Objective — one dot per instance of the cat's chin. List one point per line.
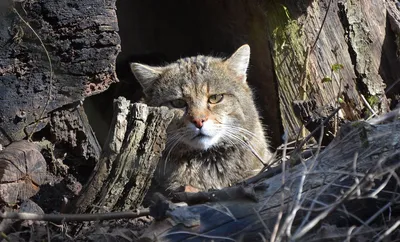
(202, 142)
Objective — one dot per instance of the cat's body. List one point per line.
(216, 130)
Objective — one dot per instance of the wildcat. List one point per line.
(216, 130)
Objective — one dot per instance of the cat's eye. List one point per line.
(216, 98)
(178, 103)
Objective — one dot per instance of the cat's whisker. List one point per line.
(246, 144)
(227, 138)
(241, 131)
(171, 141)
(237, 128)
(165, 161)
(236, 138)
(177, 138)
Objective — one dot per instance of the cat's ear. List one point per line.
(239, 61)
(145, 74)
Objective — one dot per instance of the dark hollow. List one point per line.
(157, 32)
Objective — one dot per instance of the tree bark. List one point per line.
(132, 151)
(335, 53)
(53, 53)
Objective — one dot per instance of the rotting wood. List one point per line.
(53, 53)
(312, 117)
(131, 154)
(70, 128)
(353, 176)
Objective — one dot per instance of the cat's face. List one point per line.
(209, 96)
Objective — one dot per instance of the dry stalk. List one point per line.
(201, 235)
(347, 195)
(286, 227)
(278, 221)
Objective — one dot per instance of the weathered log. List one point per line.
(132, 151)
(70, 128)
(53, 53)
(335, 53)
(347, 183)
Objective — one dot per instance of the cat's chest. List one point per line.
(210, 158)
(214, 169)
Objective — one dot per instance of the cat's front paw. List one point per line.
(189, 188)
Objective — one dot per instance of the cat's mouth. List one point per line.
(200, 136)
(202, 139)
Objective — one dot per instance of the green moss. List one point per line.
(373, 100)
(288, 54)
(288, 44)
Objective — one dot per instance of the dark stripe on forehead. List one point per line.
(194, 64)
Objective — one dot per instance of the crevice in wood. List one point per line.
(361, 86)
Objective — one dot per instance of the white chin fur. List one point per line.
(210, 136)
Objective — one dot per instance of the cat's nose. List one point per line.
(198, 122)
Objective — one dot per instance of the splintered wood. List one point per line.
(131, 153)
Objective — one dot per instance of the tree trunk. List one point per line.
(335, 53)
(132, 151)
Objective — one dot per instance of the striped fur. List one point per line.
(209, 145)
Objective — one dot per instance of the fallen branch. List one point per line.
(226, 194)
(75, 217)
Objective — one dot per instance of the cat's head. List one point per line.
(209, 94)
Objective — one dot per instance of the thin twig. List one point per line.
(308, 53)
(373, 217)
(385, 117)
(393, 85)
(322, 25)
(201, 235)
(389, 231)
(283, 165)
(287, 226)
(262, 221)
(75, 217)
(369, 107)
(51, 72)
(322, 215)
(344, 197)
(344, 211)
